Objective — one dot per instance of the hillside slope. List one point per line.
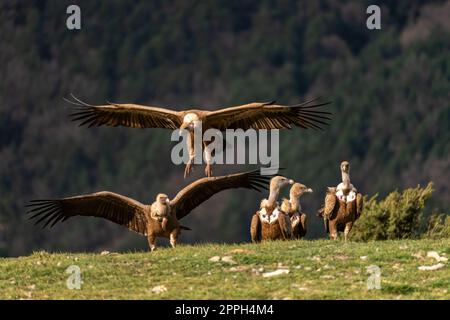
(317, 270)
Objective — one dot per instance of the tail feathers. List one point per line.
(185, 228)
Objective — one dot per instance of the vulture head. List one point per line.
(345, 166)
(276, 183)
(162, 198)
(190, 121)
(298, 189)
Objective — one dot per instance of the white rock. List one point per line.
(275, 273)
(432, 268)
(363, 257)
(214, 259)
(104, 253)
(435, 255)
(228, 259)
(159, 289)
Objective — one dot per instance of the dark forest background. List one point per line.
(390, 90)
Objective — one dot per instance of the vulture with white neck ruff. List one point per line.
(343, 205)
(159, 219)
(293, 208)
(270, 223)
(256, 115)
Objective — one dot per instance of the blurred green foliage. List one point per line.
(390, 90)
(400, 216)
(438, 226)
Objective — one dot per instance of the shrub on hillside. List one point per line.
(398, 216)
(438, 227)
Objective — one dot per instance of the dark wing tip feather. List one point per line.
(76, 101)
(308, 118)
(45, 212)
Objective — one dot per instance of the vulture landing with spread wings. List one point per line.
(257, 115)
(160, 219)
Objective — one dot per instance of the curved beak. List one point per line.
(291, 181)
(309, 190)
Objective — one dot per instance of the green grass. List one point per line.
(318, 270)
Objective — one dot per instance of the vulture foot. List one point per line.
(189, 168)
(208, 171)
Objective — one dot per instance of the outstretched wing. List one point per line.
(268, 115)
(108, 205)
(330, 202)
(128, 115)
(359, 204)
(203, 189)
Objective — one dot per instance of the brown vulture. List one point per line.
(256, 115)
(293, 208)
(270, 223)
(159, 219)
(343, 205)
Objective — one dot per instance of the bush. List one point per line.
(398, 216)
(438, 227)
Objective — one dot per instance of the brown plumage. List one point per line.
(270, 223)
(339, 214)
(257, 115)
(159, 219)
(293, 208)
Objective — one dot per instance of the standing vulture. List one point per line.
(270, 223)
(159, 219)
(293, 208)
(343, 205)
(256, 115)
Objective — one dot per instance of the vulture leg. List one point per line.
(348, 228)
(207, 152)
(188, 168)
(208, 170)
(332, 226)
(152, 242)
(191, 148)
(255, 229)
(173, 238)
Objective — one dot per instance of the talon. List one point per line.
(208, 171)
(188, 169)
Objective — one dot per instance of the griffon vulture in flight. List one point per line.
(159, 219)
(256, 115)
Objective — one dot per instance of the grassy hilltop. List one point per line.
(317, 270)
